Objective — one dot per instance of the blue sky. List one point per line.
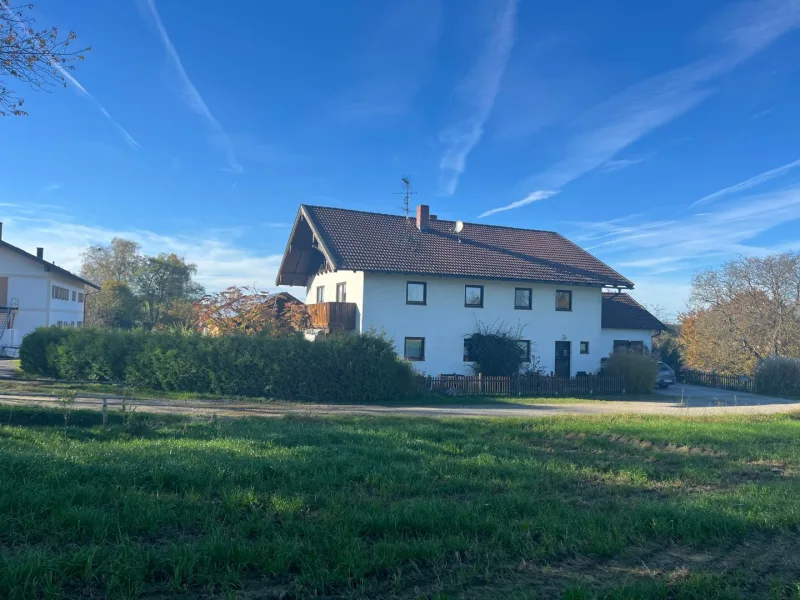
(663, 137)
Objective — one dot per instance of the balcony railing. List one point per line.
(333, 316)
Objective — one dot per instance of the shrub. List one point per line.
(639, 370)
(345, 368)
(36, 353)
(778, 376)
(495, 351)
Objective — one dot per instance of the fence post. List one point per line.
(480, 383)
(105, 412)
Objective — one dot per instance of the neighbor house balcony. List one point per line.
(333, 316)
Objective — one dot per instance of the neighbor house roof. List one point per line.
(48, 266)
(365, 241)
(620, 311)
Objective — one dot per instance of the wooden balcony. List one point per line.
(333, 316)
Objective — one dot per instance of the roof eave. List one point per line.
(302, 212)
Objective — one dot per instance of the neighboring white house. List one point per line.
(428, 287)
(35, 293)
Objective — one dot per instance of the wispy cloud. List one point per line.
(663, 246)
(477, 94)
(193, 97)
(623, 163)
(222, 259)
(529, 199)
(763, 113)
(747, 183)
(742, 31)
(51, 187)
(80, 89)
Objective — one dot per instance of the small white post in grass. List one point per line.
(105, 412)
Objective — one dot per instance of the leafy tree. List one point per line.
(119, 262)
(38, 58)
(744, 312)
(163, 280)
(113, 306)
(247, 311)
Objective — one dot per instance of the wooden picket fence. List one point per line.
(737, 383)
(527, 385)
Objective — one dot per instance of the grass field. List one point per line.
(618, 507)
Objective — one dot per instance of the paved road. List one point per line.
(671, 405)
(697, 396)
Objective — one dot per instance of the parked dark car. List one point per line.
(666, 376)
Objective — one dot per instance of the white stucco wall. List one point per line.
(31, 285)
(444, 321)
(608, 336)
(355, 289)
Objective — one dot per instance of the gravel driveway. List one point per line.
(694, 404)
(699, 396)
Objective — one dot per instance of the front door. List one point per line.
(563, 352)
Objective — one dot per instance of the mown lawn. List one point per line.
(611, 507)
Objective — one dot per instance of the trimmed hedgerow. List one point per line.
(639, 370)
(778, 376)
(345, 368)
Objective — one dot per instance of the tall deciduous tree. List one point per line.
(745, 311)
(162, 280)
(114, 305)
(37, 58)
(119, 262)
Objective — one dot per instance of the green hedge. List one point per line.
(779, 376)
(347, 368)
(640, 371)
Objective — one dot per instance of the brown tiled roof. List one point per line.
(365, 241)
(620, 311)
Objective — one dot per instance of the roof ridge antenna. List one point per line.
(406, 208)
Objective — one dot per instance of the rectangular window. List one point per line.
(473, 296)
(621, 345)
(584, 347)
(341, 292)
(469, 355)
(637, 347)
(74, 295)
(525, 348)
(320, 294)
(522, 298)
(414, 348)
(81, 297)
(416, 292)
(564, 300)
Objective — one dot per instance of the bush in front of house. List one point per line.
(495, 351)
(778, 376)
(346, 368)
(37, 353)
(639, 371)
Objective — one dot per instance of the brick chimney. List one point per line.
(423, 215)
(40, 253)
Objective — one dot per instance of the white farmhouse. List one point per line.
(35, 293)
(427, 287)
